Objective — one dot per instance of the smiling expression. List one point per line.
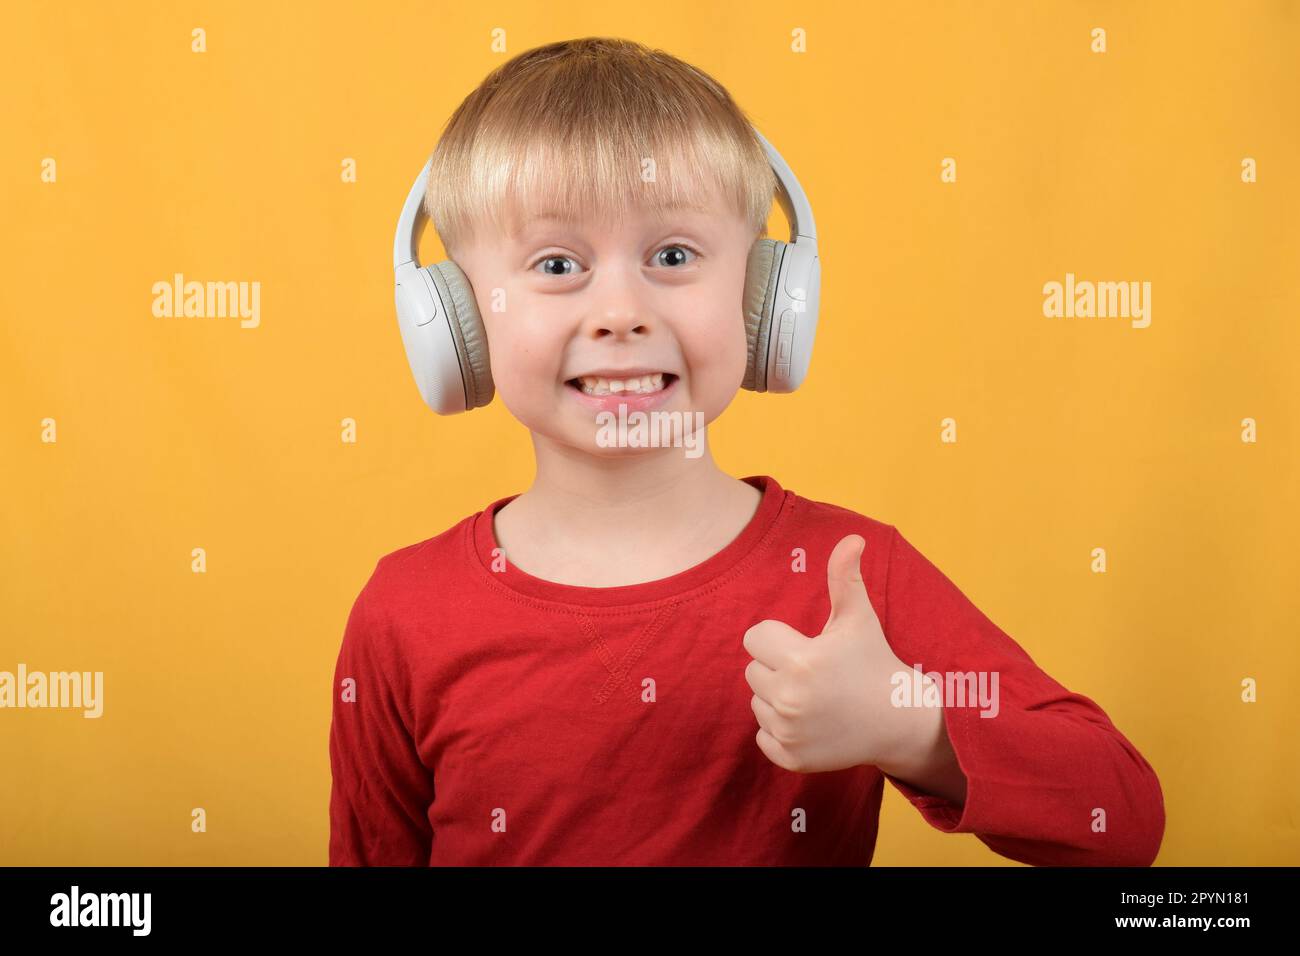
(643, 295)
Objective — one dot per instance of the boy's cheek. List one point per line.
(722, 356)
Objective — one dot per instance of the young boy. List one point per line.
(638, 660)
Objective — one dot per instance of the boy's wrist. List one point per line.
(925, 758)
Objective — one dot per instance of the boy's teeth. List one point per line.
(594, 385)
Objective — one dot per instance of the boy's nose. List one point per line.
(620, 323)
(618, 307)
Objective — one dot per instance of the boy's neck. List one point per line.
(602, 522)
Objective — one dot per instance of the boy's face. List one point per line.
(562, 299)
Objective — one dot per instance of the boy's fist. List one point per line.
(823, 702)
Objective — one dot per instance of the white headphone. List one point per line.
(447, 346)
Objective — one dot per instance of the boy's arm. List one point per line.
(380, 791)
(1050, 781)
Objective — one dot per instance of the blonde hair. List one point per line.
(565, 129)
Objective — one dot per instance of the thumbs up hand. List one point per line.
(823, 702)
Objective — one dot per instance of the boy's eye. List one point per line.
(679, 254)
(554, 265)
(672, 256)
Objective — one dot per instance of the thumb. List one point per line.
(849, 600)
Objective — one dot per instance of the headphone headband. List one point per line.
(790, 196)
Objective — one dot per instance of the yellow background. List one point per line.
(1072, 433)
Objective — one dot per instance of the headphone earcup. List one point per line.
(467, 330)
(761, 272)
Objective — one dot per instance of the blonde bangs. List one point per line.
(593, 128)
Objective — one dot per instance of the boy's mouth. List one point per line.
(601, 386)
(636, 393)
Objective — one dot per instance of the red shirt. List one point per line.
(499, 718)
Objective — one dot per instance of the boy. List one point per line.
(637, 661)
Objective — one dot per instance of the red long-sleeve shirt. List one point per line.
(497, 718)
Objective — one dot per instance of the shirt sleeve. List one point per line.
(1050, 780)
(380, 791)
